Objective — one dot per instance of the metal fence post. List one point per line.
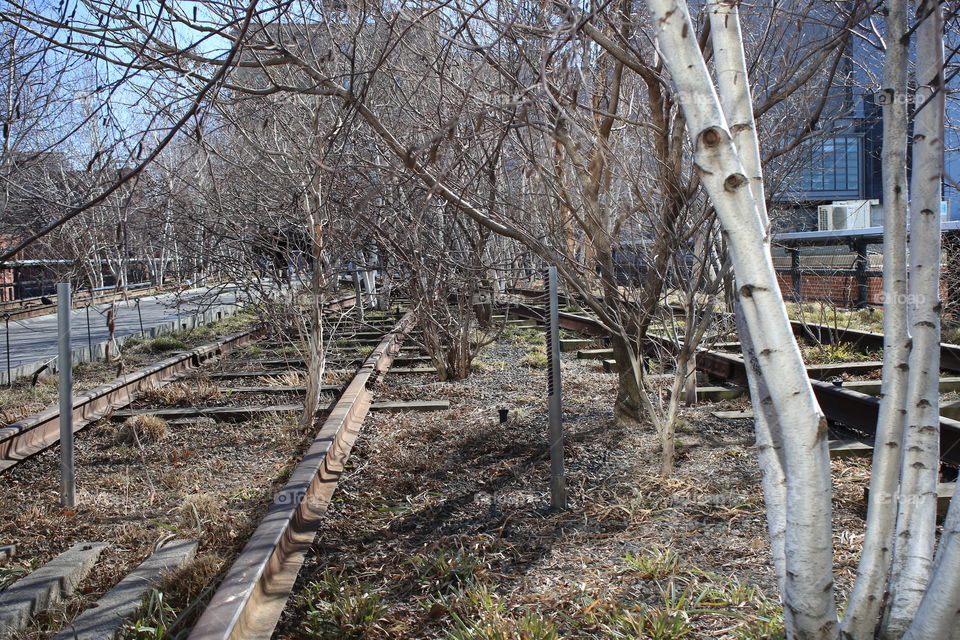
(558, 480)
(9, 370)
(68, 488)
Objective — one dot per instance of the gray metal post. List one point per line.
(558, 480)
(140, 317)
(89, 336)
(9, 370)
(68, 488)
(9, 374)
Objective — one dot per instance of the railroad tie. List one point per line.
(243, 412)
(103, 621)
(46, 586)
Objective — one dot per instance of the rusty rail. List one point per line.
(30, 436)
(249, 601)
(845, 406)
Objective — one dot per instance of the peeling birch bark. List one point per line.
(808, 589)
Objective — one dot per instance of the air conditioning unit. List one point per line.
(848, 214)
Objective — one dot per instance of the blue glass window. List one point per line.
(831, 165)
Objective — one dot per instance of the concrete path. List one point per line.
(34, 341)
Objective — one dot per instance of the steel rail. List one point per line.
(851, 408)
(249, 601)
(31, 435)
(825, 334)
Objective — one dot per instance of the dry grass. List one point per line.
(184, 394)
(183, 586)
(141, 430)
(201, 511)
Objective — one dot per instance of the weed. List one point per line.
(163, 344)
(141, 429)
(200, 509)
(535, 359)
(9, 575)
(619, 621)
(445, 571)
(189, 581)
(836, 352)
(655, 564)
(337, 607)
(154, 621)
(480, 615)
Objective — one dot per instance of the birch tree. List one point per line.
(790, 424)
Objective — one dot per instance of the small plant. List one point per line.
(154, 621)
(655, 564)
(446, 571)
(163, 344)
(535, 359)
(188, 583)
(200, 509)
(480, 615)
(627, 622)
(835, 353)
(766, 624)
(337, 607)
(141, 429)
(9, 575)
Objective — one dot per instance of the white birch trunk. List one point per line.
(864, 605)
(770, 455)
(734, 87)
(916, 518)
(808, 590)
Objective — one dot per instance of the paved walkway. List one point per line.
(35, 340)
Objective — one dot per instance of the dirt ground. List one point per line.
(442, 528)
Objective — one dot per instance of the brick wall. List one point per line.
(838, 288)
(6, 285)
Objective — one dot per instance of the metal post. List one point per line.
(860, 267)
(558, 480)
(9, 369)
(356, 288)
(140, 316)
(795, 272)
(68, 488)
(89, 336)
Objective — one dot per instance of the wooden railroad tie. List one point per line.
(241, 412)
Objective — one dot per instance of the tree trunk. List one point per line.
(628, 409)
(809, 605)
(866, 600)
(917, 509)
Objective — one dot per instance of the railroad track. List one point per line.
(251, 597)
(29, 436)
(845, 406)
